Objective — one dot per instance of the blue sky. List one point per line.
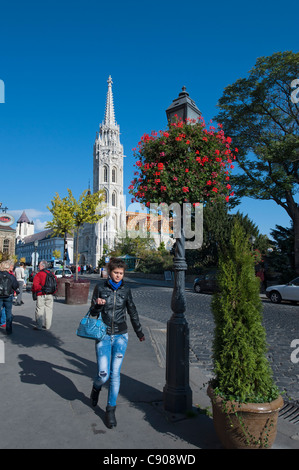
(56, 57)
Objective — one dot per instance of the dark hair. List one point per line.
(116, 263)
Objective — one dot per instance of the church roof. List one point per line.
(23, 218)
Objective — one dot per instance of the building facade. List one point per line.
(7, 241)
(41, 244)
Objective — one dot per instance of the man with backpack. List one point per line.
(43, 288)
(8, 284)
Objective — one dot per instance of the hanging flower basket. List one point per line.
(186, 163)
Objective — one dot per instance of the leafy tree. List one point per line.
(258, 113)
(56, 254)
(62, 222)
(281, 259)
(217, 226)
(69, 215)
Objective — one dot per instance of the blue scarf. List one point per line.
(115, 285)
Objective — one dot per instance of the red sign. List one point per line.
(6, 219)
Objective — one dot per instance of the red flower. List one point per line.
(185, 189)
(161, 165)
(186, 170)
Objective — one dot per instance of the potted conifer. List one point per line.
(244, 398)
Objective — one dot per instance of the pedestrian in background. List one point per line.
(20, 277)
(44, 302)
(112, 299)
(8, 284)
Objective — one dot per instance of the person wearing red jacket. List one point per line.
(44, 302)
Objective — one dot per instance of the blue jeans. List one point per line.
(2, 316)
(6, 302)
(110, 353)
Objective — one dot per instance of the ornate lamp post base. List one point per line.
(177, 394)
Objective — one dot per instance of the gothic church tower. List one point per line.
(108, 175)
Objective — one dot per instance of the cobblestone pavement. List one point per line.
(281, 324)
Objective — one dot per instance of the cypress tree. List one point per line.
(242, 370)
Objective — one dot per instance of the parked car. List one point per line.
(58, 272)
(289, 291)
(206, 282)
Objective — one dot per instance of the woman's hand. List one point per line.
(100, 301)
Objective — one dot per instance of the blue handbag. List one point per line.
(92, 327)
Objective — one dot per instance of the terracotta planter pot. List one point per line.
(61, 285)
(245, 425)
(76, 292)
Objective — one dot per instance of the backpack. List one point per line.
(50, 285)
(5, 284)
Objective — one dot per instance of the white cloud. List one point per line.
(39, 226)
(31, 213)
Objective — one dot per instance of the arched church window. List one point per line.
(113, 175)
(105, 195)
(105, 174)
(114, 199)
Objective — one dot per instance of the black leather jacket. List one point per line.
(114, 311)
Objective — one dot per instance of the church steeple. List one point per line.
(109, 129)
(108, 156)
(109, 113)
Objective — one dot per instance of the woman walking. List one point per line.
(113, 299)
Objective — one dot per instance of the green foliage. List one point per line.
(56, 254)
(69, 215)
(263, 122)
(281, 259)
(242, 371)
(217, 226)
(149, 259)
(155, 261)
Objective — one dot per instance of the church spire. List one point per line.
(109, 113)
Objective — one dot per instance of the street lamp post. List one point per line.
(177, 394)
(35, 255)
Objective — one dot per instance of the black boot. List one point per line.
(94, 396)
(110, 419)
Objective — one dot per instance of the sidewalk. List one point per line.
(46, 381)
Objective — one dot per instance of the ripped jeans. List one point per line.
(110, 353)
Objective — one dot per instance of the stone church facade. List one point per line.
(107, 176)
